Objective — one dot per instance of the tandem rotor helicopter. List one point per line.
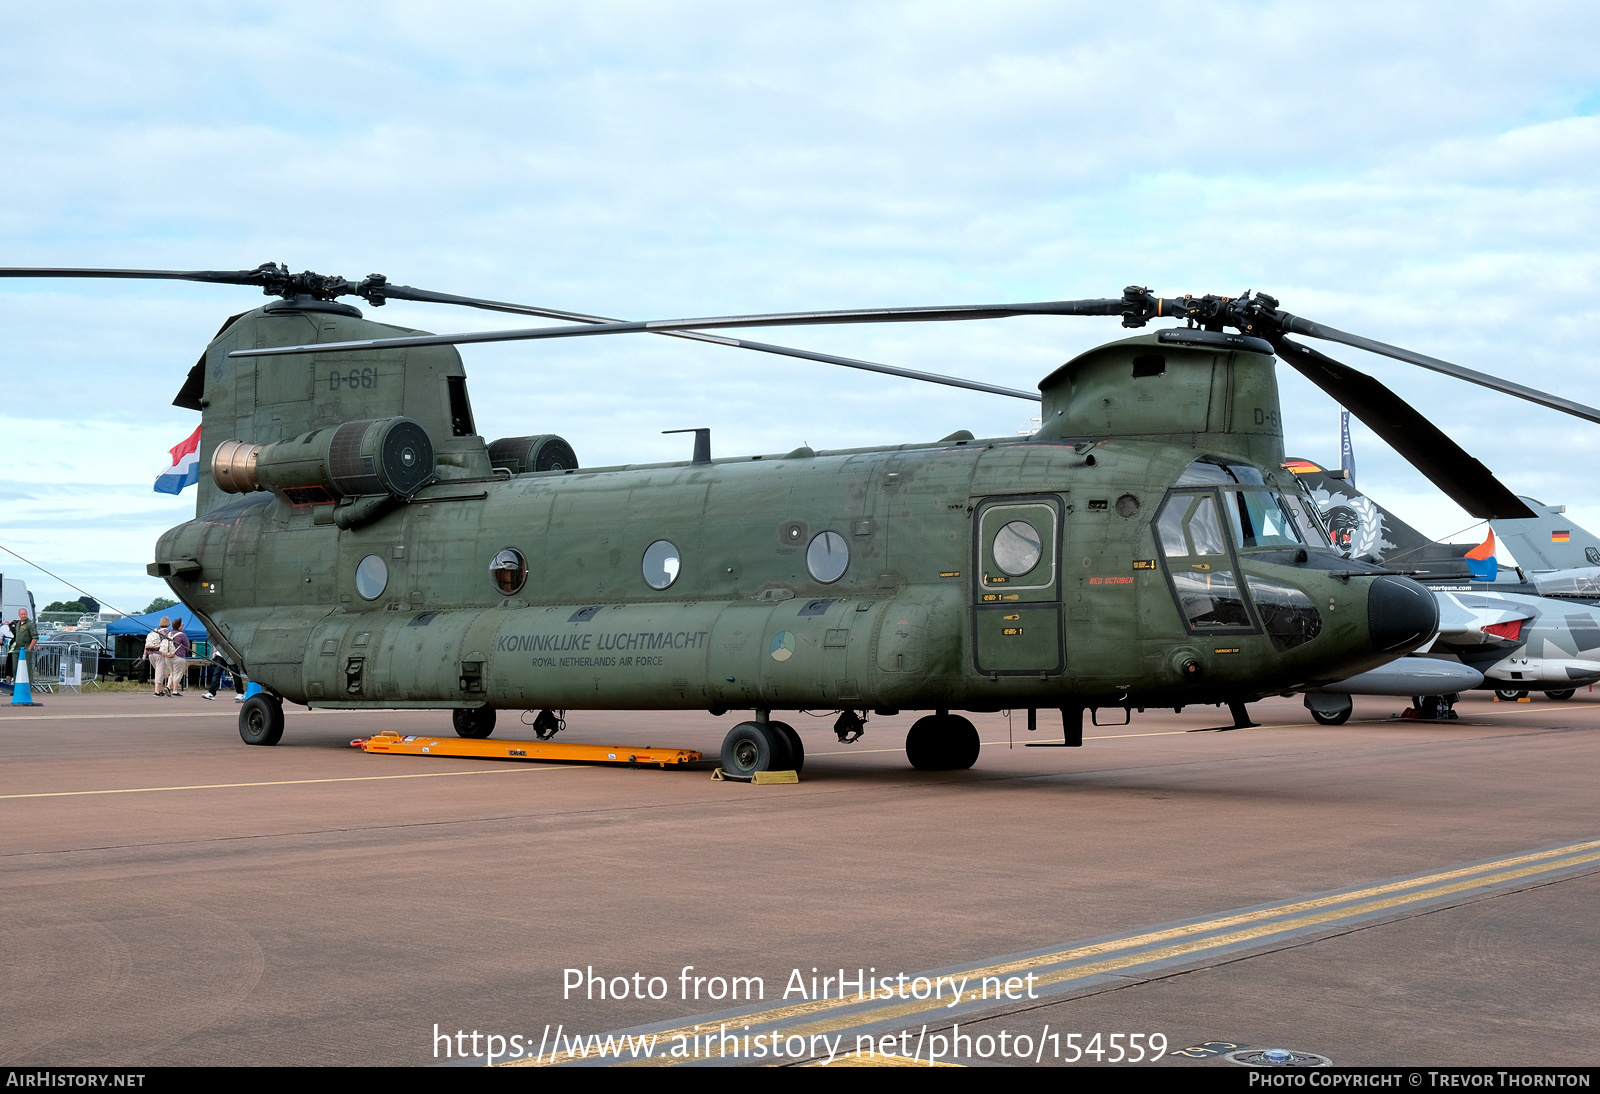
(357, 544)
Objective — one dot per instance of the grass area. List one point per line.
(123, 685)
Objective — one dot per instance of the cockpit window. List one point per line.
(1304, 510)
(1211, 601)
(1204, 531)
(1199, 564)
(1169, 526)
(1188, 525)
(1201, 473)
(1259, 519)
(1287, 613)
(1209, 470)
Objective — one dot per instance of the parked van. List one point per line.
(14, 596)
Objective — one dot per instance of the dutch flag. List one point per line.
(185, 469)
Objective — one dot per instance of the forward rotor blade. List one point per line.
(1296, 325)
(720, 322)
(1446, 464)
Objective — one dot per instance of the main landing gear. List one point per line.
(261, 719)
(475, 724)
(761, 745)
(939, 742)
(942, 742)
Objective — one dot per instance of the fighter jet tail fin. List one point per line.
(1549, 541)
(1481, 561)
(1362, 528)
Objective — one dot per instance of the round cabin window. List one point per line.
(372, 577)
(661, 564)
(1017, 548)
(827, 557)
(509, 571)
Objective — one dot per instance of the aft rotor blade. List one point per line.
(1446, 464)
(717, 322)
(377, 290)
(406, 292)
(217, 277)
(272, 278)
(1296, 325)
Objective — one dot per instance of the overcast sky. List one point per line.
(1425, 175)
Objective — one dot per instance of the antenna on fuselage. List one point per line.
(702, 443)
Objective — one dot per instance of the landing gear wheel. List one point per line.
(1509, 695)
(475, 724)
(1561, 696)
(261, 720)
(797, 748)
(750, 747)
(1329, 710)
(942, 742)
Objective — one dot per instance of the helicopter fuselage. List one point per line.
(965, 574)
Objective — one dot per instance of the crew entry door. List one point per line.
(1016, 579)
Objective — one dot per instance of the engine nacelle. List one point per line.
(545, 452)
(383, 456)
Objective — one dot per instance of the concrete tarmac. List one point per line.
(173, 896)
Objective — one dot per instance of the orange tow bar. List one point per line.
(412, 745)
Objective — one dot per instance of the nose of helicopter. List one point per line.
(1401, 614)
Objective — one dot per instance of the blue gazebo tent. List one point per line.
(144, 624)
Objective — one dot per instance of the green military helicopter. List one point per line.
(357, 544)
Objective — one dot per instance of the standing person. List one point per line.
(153, 643)
(178, 666)
(214, 673)
(5, 647)
(24, 636)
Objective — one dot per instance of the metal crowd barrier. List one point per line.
(51, 667)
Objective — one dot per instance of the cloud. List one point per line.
(1429, 182)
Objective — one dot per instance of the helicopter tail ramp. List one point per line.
(412, 745)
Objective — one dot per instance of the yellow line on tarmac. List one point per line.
(1513, 708)
(1081, 972)
(1326, 909)
(1198, 946)
(856, 1059)
(284, 782)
